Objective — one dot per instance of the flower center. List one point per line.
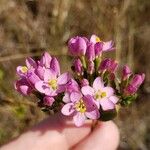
(53, 83)
(100, 95)
(98, 39)
(24, 69)
(80, 106)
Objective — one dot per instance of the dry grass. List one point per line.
(28, 27)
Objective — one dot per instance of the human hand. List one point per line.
(59, 133)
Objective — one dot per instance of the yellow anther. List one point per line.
(24, 69)
(99, 95)
(80, 106)
(53, 84)
(97, 39)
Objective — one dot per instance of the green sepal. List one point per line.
(126, 101)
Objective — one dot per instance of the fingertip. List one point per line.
(105, 136)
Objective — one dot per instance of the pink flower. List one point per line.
(104, 46)
(52, 84)
(104, 96)
(23, 70)
(80, 107)
(77, 46)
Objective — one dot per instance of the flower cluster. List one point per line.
(93, 91)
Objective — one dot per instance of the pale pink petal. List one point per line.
(109, 91)
(31, 63)
(55, 66)
(67, 109)
(98, 84)
(93, 114)
(79, 119)
(87, 90)
(63, 78)
(40, 86)
(107, 104)
(94, 39)
(75, 96)
(66, 98)
(50, 92)
(108, 46)
(114, 99)
(49, 75)
(19, 71)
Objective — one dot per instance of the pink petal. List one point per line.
(79, 119)
(93, 39)
(87, 90)
(40, 71)
(49, 75)
(114, 99)
(109, 91)
(50, 92)
(46, 60)
(108, 46)
(67, 109)
(55, 66)
(63, 78)
(40, 86)
(107, 104)
(19, 71)
(75, 96)
(66, 98)
(93, 114)
(98, 84)
(31, 63)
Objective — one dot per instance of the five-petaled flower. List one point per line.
(80, 107)
(104, 96)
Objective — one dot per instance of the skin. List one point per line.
(58, 132)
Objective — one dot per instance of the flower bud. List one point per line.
(78, 66)
(90, 52)
(137, 80)
(104, 64)
(84, 82)
(98, 48)
(77, 46)
(126, 72)
(113, 66)
(48, 101)
(90, 67)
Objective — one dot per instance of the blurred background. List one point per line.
(29, 27)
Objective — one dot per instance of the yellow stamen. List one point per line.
(98, 39)
(53, 84)
(100, 95)
(24, 69)
(80, 106)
